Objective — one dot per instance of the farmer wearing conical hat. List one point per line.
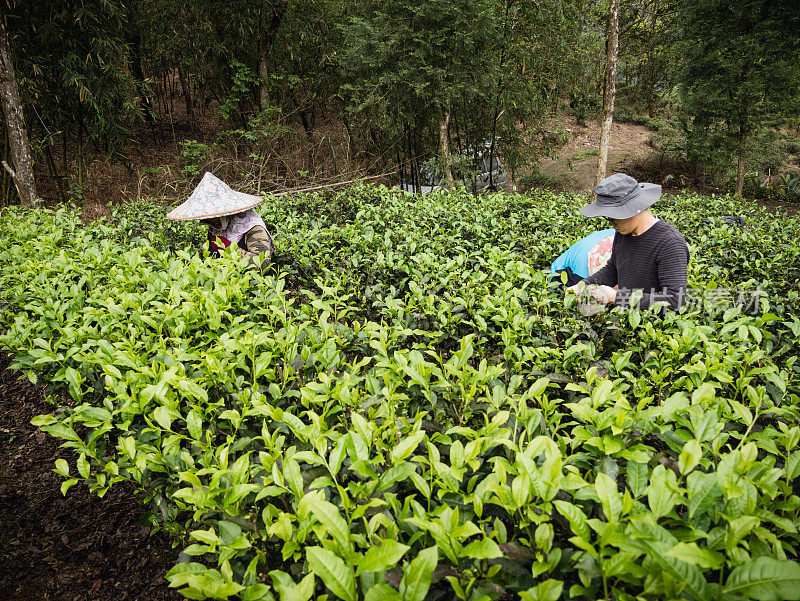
(648, 254)
(230, 218)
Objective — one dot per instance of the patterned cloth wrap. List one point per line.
(600, 254)
(587, 255)
(234, 227)
(235, 230)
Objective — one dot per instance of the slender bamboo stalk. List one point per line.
(171, 121)
(171, 92)
(80, 149)
(64, 149)
(58, 179)
(187, 96)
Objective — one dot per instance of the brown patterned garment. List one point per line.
(253, 244)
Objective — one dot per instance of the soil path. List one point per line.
(76, 547)
(576, 164)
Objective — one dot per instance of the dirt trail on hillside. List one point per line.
(574, 167)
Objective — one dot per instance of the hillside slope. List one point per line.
(575, 163)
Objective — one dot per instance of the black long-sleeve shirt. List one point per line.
(654, 262)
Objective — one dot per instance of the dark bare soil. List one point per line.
(76, 547)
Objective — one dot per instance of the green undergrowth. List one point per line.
(405, 408)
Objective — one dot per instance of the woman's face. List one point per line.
(214, 222)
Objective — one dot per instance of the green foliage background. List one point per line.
(366, 85)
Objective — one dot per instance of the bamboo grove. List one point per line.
(392, 75)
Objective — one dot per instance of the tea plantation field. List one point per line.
(406, 409)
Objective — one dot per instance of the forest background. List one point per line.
(131, 99)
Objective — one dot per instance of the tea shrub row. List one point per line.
(407, 409)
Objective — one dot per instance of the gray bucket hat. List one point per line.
(619, 196)
(213, 198)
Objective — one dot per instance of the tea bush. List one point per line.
(405, 407)
(142, 222)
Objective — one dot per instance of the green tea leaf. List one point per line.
(703, 492)
(742, 412)
(380, 558)
(67, 484)
(328, 515)
(706, 428)
(206, 536)
(484, 548)
(289, 591)
(690, 456)
(43, 420)
(738, 529)
(382, 592)
(575, 516)
(331, 569)
(549, 590)
(417, 575)
(258, 591)
(294, 479)
(636, 477)
(229, 532)
(622, 563)
(60, 430)
(765, 579)
(163, 417)
(659, 541)
(239, 470)
(704, 392)
(609, 496)
(62, 467)
(194, 424)
(397, 473)
(193, 390)
(660, 493)
(405, 447)
(100, 414)
(188, 567)
(83, 466)
(698, 556)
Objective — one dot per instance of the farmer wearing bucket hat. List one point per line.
(647, 254)
(230, 218)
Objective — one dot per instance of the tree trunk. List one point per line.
(412, 165)
(740, 164)
(417, 167)
(609, 91)
(444, 148)
(5, 177)
(15, 122)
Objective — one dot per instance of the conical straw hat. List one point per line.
(213, 198)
